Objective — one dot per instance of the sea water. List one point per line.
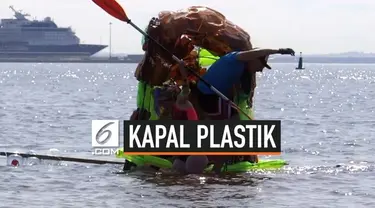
(327, 121)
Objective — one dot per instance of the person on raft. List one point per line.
(184, 110)
(228, 71)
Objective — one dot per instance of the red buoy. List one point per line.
(15, 162)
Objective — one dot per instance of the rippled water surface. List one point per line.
(328, 127)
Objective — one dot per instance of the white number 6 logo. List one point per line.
(102, 131)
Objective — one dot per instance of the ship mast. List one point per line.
(18, 14)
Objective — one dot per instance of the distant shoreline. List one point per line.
(325, 59)
(70, 61)
(134, 59)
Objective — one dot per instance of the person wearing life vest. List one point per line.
(227, 71)
(230, 70)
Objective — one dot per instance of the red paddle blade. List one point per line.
(113, 8)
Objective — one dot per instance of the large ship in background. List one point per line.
(21, 38)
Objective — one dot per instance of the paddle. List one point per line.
(58, 158)
(114, 9)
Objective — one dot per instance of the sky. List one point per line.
(312, 27)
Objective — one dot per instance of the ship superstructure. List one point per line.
(24, 38)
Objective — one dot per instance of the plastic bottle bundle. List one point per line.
(32, 160)
(15, 160)
(53, 152)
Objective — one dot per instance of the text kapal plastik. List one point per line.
(237, 137)
(190, 136)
